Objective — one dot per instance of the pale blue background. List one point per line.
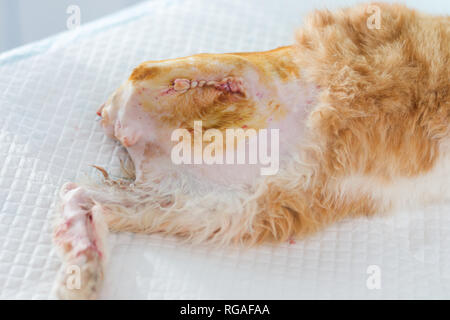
(24, 21)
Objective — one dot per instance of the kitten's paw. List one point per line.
(80, 235)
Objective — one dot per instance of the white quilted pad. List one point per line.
(49, 92)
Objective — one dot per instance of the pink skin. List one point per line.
(77, 229)
(99, 111)
(168, 91)
(137, 131)
(80, 235)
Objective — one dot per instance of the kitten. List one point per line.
(363, 121)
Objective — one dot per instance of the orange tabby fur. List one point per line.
(384, 112)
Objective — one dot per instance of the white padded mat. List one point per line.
(49, 92)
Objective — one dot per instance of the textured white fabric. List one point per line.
(49, 92)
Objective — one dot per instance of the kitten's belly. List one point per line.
(298, 100)
(150, 146)
(290, 131)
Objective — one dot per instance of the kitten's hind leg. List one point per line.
(218, 217)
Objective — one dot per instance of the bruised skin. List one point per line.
(80, 236)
